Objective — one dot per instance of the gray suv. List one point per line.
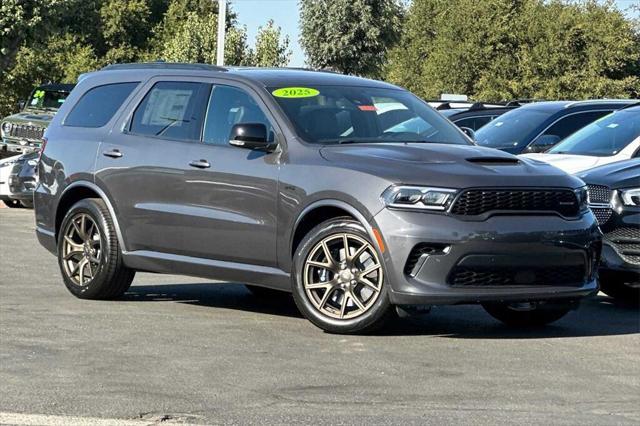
(352, 194)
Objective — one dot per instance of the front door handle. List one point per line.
(114, 153)
(200, 164)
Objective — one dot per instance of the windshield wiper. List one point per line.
(172, 121)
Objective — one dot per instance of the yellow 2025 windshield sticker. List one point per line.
(295, 92)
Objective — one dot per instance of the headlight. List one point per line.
(630, 197)
(418, 197)
(582, 194)
(6, 128)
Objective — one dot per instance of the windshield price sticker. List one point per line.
(295, 92)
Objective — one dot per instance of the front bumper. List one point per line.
(514, 258)
(22, 147)
(621, 242)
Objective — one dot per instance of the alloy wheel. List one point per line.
(343, 276)
(82, 249)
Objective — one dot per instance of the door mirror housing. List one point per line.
(250, 136)
(21, 105)
(543, 143)
(469, 132)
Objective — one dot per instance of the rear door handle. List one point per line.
(200, 164)
(114, 153)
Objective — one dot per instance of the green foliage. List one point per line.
(270, 51)
(505, 49)
(351, 36)
(58, 59)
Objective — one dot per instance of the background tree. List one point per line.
(504, 49)
(271, 49)
(351, 36)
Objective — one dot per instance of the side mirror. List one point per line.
(469, 132)
(543, 143)
(250, 136)
(21, 105)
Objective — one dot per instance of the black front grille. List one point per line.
(475, 202)
(599, 194)
(626, 241)
(602, 214)
(498, 276)
(25, 131)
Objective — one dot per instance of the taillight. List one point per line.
(44, 145)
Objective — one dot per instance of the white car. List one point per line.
(613, 138)
(6, 165)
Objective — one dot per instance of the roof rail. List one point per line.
(598, 101)
(520, 102)
(636, 103)
(163, 65)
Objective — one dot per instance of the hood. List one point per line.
(449, 166)
(31, 117)
(621, 174)
(571, 163)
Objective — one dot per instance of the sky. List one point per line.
(254, 13)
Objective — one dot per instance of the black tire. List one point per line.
(266, 293)
(378, 311)
(112, 278)
(27, 204)
(623, 287)
(540, 314)
(13, 204)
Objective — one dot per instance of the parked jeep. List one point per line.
(22, 132)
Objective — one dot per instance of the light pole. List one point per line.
(222, 18)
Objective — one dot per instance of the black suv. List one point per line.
(477, 115)
(353, 194)
(614, 197)
(538, 126)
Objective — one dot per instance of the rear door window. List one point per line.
(98, 105)
(172, 110)
(572, 123)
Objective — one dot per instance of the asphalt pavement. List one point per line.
(180, 349)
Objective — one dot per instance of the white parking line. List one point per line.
(46, 420)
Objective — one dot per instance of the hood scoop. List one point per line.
(494, 161)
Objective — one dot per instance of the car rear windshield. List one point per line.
(603, 138)
(512, 129)
(354, 114)
(47, 99)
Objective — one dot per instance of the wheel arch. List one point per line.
(320, 211)
(81, 190)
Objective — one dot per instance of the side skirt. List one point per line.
(219, 270)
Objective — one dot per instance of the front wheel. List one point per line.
(622, 286)
(89, 254)
(339, 281)
(529, 314)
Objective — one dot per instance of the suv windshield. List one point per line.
(47, 99)
(603, 138)
(511, 129)
(344, 114)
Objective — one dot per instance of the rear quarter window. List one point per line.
(98, 105)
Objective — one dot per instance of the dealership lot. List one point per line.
(189, 350)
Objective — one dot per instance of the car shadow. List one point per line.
(597, 316)
(227, 296)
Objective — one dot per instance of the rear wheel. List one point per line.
(89, 255)
(339, 283)
(530, 314)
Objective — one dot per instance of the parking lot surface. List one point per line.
(180, 349)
